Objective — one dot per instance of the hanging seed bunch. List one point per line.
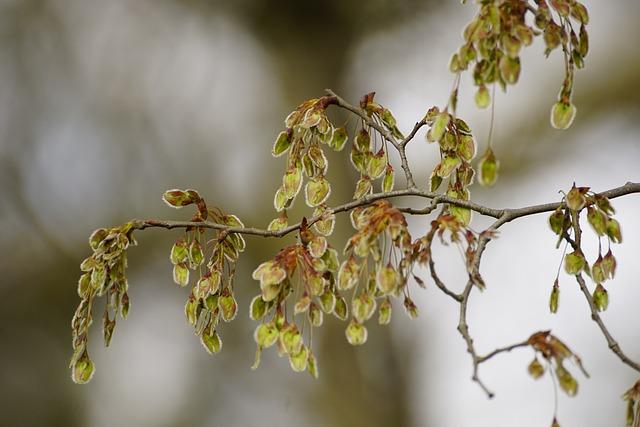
(457, 149)
(296, 288)
(369, 155)
(377, 264)
(212, 256)
(632, 397)
(308, 130)
(103, 275)
(554, 353)
(495, 37)
(308, 275)
(565, 222)
(371, 164)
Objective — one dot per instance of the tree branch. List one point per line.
(503, 216)
(439, 283)
(435, 197)
(506, 215)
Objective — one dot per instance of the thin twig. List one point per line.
(386, 134)
(340, 102)
(474, 275)
(439, 283)
(613, 344)
(463, 328)
(508, 348)
(413, 132)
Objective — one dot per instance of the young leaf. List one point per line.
(315, 315)
(390, 123)
(363, 307)
(317, 157)
(195, 254)
(377, 164)
(575, 198)
(181, 274)
(97, 237)
(597, 271)
(340, 308)
(278, 223)
(598, 220)
(291, 182)
(348, 274)
(302, 305)
(191, 310)
(291, 339)
(266, 335)
(312, 365)
(387, 279)
(536, 370)
(179, 252)
(180, 198)
(339, 139)
(447, 166)
(562, 115)
(510, 69)
(211, 340)
(83, 369)
(280, 200)
(489, 167)
(258, 308)
(356, 333)
(387, 180)
(298, 361)
(434, 181)
(410, 307)
(363, 141)
(574, 262)
(439, 126)
(282, 144)
(317, 191)
(467, 147)
(482, 98)
(327, 301)
(384, 311)
(554, 298)
(363, 187)
(325, 225)
(601, 298)
(613, 230)
(609, 265)
(228, 306)
(557, 221)
(311, 118)
(567, 383)
(317, 246)
(108, 326)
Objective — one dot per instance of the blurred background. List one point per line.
(106, 104)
